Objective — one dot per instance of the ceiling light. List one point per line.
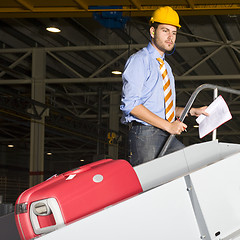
(10, 145)
(82, 160)
(49, 153)
(53, 29)
(116, 72)
(196, 126)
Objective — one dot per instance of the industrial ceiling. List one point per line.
(80, 90)
(84, 8)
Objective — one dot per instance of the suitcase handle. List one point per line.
(43, 208)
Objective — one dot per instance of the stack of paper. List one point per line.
(218, 114)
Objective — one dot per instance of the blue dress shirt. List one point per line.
(143, 84)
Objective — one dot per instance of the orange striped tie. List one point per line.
(169, 109)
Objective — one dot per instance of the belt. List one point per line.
(135, 123)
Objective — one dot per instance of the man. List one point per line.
(148, 95)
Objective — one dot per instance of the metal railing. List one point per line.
(189, 105)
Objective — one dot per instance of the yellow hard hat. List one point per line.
(165, 15)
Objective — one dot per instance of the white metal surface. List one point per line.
(217, 189)
(183, 162)
(162, 213)
(164, 210)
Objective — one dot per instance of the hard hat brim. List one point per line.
(168, 23)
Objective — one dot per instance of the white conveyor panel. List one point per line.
(180, 163)
(164, 212)
(217, 189)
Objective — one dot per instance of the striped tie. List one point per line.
(169, 109)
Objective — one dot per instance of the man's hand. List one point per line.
(198, 111)
(177, 127)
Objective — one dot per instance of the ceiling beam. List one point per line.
(203, 60)
(135, 8)
(225, 40)
(233, 77)
(109, 64)
(26, 4)
(119, 47)
(137, 4)
(82, 4)
(15, 63)
(64, 64)
(191, 4)
(94, 93)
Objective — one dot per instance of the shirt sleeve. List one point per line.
(134, 76)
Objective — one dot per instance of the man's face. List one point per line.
(164, 37)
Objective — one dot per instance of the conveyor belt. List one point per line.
(195, 195)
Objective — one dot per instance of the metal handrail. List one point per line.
(189, 104)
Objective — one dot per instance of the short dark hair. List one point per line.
(155, 25)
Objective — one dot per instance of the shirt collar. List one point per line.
(154, 53)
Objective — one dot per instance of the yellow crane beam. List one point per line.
(83, 8)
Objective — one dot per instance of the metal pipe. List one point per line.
(215, 95)
(189, 104)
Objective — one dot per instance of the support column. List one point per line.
(114, 124)
(214, 133)
(99, 120)
(36, 168)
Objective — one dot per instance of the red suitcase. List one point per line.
(73, 195)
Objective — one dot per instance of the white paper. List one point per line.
(218, 114)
